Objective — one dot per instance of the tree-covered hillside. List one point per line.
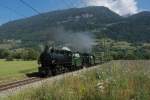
(76, 19)
(99, 20)
(135, 28)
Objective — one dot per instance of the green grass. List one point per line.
(117, 80)
(13, 70)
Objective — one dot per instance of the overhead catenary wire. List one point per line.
(35, 10)
(29, 6)
(12, 10)
(72, 3)
(68, 6)
(83, 2)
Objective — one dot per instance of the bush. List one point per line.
(9, 58)
(24, 54)
(17, 55)
(29, 54)
(4, 53)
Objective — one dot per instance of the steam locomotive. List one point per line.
(56, 61)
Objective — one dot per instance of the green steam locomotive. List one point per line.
(56, 61)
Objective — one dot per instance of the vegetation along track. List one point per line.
(15, 84)
(18, 83)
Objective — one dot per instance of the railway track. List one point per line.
(16, 84)
(19, 83)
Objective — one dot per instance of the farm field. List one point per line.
(116, 80)
(14, 70)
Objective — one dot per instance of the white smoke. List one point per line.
(122, 7)
(66, 48)
(76, 41)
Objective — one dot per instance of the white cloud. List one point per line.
(122, 7)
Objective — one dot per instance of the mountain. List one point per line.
(135, 28)
(76, 19)
(96, 19)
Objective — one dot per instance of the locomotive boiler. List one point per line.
(55, 61)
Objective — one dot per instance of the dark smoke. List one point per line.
(77, 41)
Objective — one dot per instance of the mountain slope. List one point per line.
(101, 20)
(76, 19)
(134, 28)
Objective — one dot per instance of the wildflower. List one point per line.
(100, 83)
(100, 86)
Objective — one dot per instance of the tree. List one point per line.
(4, 53)
(29, 54)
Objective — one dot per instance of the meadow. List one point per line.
(116, 80)
(15, 70)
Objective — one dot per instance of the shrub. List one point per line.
(9, 58)
(4, 53)
(29, 54)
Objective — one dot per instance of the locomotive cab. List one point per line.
(54, 61)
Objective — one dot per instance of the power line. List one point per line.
(28, 5)
(72, 3)
(66, 4)
(83, 2)
(12, 10)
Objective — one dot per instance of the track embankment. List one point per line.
(18, 86)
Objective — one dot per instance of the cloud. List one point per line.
(122, 7)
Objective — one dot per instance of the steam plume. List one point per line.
(80, 41)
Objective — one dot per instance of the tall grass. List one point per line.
(117, 80)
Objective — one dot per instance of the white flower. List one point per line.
(101, 87)
(100, 84)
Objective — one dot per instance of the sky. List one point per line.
(14, 9)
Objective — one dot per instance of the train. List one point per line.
(56, 61)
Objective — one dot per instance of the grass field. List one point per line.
(13, 70)
(117, 80)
